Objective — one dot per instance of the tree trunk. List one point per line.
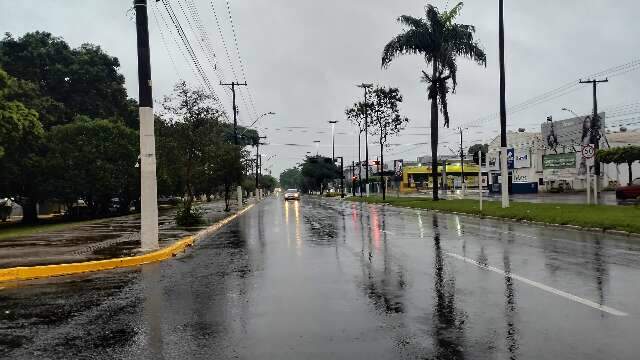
(189, 202)
(29, 211)
(630, 174)
(226, 197)
(434, 134)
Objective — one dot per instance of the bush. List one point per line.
(188, 217)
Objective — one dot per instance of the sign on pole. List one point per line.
(588, 151)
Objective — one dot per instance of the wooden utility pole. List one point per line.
(233, 85)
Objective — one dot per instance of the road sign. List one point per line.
(588, 151)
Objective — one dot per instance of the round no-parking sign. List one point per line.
(588, 151)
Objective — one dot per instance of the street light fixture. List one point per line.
(256, 120)
(317, 142)
(571, 111)
(333, 138)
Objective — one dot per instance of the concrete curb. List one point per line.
(36, 272)
(563, 226)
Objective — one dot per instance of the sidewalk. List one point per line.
(111, 238)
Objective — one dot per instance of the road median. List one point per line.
(618, 219)
(164, 253)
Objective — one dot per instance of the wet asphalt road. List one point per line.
(323, 279)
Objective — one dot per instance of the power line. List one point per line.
(242, 68)
(190, 51)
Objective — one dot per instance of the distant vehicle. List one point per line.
(629, 192)
(277, 190)
(291, 194)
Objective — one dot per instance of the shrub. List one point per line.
(188, 216)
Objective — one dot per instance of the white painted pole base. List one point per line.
(239, 189)
(588, 185)
(595, 189)
(148, 182)
(480, 178)
(505, 177)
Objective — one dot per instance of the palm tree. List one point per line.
(441, 42)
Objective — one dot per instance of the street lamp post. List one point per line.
(341, 175)
(503, 111)
(366, 87)
(333, 138)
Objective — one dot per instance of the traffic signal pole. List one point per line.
(148, 181)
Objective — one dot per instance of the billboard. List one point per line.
(397, 168)
(522, 159)
(510, 158)
(571, 133)
(559, 161)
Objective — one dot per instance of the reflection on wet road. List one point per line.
(336, 280)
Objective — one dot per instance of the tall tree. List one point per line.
(194, 126)
(93, 160)
(386, 121)
(440, 41)
(85, 80)
(291, 178)
(356, 115)
(317, 171)
(475, 148)
(21, 147)
(620, 155)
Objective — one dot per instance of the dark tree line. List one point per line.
(68, 131)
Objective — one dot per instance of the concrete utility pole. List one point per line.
(596, 126)
(333, 138)
(257, 155)
(233, 85)
(341, 175)
(503, 112)
(148, 181)
(366, 87)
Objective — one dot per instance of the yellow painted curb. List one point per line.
(35, 272)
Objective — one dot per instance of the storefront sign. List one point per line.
(510, 158)
(522, 159)
(559, 161)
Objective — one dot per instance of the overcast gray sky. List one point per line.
(303, 58)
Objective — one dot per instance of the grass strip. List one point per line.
(606, 217)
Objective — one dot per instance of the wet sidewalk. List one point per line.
(104, 239)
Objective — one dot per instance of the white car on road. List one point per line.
(291, 194)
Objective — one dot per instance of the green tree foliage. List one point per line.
(18, 123)
(21, 145)
(268, 182)
(93, 160)
(440, 41)
(483, 148)
(386, 119)
(292, 178)
(317, 171)
(193, 128)
(81, 81)
(620, 155)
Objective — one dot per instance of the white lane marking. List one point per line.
(544, 287)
